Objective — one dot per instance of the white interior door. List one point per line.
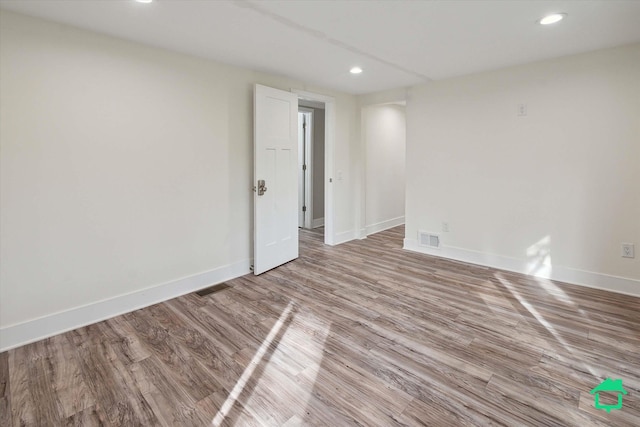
(275, 177)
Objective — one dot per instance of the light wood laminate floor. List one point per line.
(364, 333)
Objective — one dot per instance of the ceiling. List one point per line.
(397, 43)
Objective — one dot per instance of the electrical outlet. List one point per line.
(445, 227)
(628, 251)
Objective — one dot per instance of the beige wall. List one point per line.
(384, 134)
(124, 166)
(557, 189)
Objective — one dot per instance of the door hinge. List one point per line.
(304, 209)
(304, 167)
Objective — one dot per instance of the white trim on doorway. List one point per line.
(329, 144)
(307, 175)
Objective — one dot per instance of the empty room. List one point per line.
(319, 213)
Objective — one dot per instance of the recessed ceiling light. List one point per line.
(552, 19)
(355, 70)
(144, 1)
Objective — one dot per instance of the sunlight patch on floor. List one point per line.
(490, 301)
(299, 350)
(246, 375)
(553, 289)
(531, 309)
(540, 318)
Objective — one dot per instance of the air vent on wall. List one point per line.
(429, 240)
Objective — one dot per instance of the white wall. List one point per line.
(563, 181)
(384, 134)
(125, 167)
(398, 95)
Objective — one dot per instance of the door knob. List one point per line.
(261, 187)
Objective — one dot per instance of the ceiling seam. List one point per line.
(246, 4)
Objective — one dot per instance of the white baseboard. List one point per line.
(318, 222)
(384, 225)
(344, 237)
(362, 234)
(34, 330)
(621, 285)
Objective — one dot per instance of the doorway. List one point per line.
(316, 181)
(305, 167)
(310, 165)
(276, 232)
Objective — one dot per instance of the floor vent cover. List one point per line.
(429, 240)
(211, 289)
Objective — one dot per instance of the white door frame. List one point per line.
(329, 144)
(308, 174)
(300, 171)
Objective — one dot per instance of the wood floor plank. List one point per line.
(92, 416)
(619, 418)
(236, 415)
(31, 384)
(549, 411)
(124, 340)
(66, 376)
(5, 390)
(420, 414)
(443, 390)
(114, 384)
(363, 333)
(345, 398)
(23, 412)
(171, 402)
(160, 327)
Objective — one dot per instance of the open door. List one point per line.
(275, 216)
